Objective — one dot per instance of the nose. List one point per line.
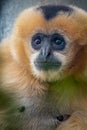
(46, 52)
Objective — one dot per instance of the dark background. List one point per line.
(9, 9)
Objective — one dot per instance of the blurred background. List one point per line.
(9, 9)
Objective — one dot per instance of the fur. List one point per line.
(35, 98)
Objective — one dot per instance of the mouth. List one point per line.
(47, 65)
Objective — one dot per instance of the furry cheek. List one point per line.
(61, 58)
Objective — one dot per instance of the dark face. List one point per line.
(47, 45)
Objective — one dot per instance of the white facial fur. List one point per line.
(50, 75)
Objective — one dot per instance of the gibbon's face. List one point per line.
(54, 39)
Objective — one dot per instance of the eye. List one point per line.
(58, 42)
(36, 41)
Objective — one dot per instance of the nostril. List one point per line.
(48, 54)
(48, 51)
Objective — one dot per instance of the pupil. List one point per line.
(58, 41)
(38, 41)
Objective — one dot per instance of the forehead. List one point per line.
(47, 19)
(50, 11)
(40, 17)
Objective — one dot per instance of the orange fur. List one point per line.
(16, 75)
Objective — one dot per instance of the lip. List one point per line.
(47, 65)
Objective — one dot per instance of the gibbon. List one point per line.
(43, 70)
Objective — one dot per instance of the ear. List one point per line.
(80, 18)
